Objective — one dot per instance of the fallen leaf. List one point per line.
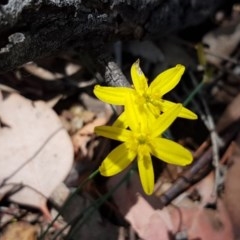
(187, 218)
(72, 68)
(230, 115)
(83, 136)
(36, 153)
(138, 210)
(202, 223)
(51, 103)
(126, 194)
(102, 111)
(7, 89)
(42, 73)
(232, 190)
(205, 189)
(216, 40)
(146, 221)
(20, 231)
(196, 220)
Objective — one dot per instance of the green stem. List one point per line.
(90, 177)
(85, 214)
(193, 93)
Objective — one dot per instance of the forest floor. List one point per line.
(49, 153)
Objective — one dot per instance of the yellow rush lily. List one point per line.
(148, 98)
(141, 140)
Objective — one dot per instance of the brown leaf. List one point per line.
(83, 136)
(203, 223)
(232, 190)
(42, 73)
(199, 222)
(230, 115)
(35, 151)
(146, 221)
(20, 231)
(217, 39)
(186, 218)
(138, 211)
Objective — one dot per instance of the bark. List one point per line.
(32, 29)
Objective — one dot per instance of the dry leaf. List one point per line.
(138, 211)
(205, 189)
(7, 88)
(217, 39)
(83, 136)
(232, 190)
(187, 218)
(42, 73)
(52, 102)
(20, 231)
(230, 115)
(146, 221)
(126, 195)
(35, 151)
(199, 222)
(202, 223)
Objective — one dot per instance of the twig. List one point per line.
(216, 141)
(199, 169)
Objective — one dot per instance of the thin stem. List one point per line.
(98, 203)
(193, 93)
(90, 177)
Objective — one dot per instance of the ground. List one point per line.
(49, 153)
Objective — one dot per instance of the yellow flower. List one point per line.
(141, 140)
(148, 98)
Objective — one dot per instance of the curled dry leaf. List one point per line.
(36, 153)
(83, 136)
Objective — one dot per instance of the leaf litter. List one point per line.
(32, 143)
(48, 148)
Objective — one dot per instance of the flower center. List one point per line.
(147, 98)
(142, 140)
(149, 102)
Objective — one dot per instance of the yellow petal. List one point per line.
(116, 161)
(154, 110)
(121, 121)
(184, 113)
(166, 80)
(133, 115)
(114, 133)
(146, 173)
(138, 78)
(165, 120)
(112, 95)
(170, 152)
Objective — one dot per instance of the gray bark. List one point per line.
(32, 29)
